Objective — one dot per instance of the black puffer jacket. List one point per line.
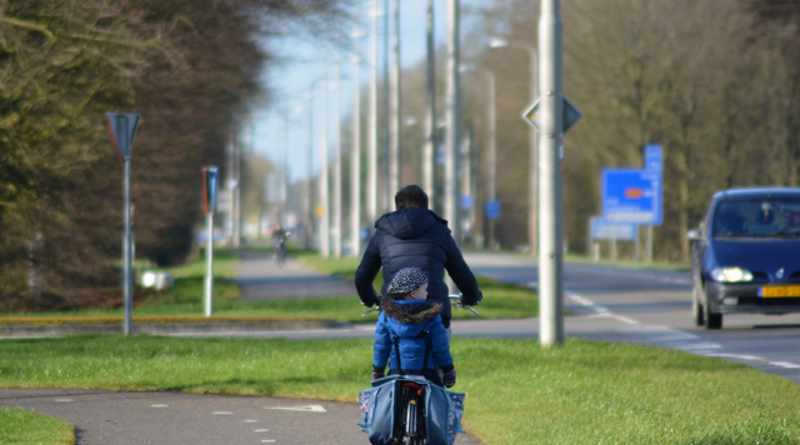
(415, 238)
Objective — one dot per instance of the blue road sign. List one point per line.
(653, 158)
(603, 229)
(466, 202)
(210, 188)
(122, 129)
(493, 209)
(632, 196)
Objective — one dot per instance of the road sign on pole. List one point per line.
(122, 130)
(603, 229)
(632, 196)
(210, 175)
(571, 115)
(493, 209)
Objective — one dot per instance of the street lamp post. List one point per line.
(337, 172)
(453, 116)
(355, 164)
(372, 158)
(533, 167)
(430, 82)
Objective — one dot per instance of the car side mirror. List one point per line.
(694, 235)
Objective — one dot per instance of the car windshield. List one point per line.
(762, 217)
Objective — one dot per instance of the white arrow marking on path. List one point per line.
(304, 408)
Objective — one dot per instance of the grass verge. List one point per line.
(583, 393)
(19, 426)
(501, 300)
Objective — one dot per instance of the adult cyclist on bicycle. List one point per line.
(414, 236)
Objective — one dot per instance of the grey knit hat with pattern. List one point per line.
(406, 280)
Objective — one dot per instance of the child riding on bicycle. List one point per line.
(409, 335)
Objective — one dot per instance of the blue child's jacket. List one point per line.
(415, 325)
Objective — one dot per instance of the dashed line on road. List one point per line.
(64, 400)
(159, 405)
(750, 358)
(222, 413)
(261, 430)
(303, 408)
(785, 365)
(249, 421)
(624, 319)
(268, 441)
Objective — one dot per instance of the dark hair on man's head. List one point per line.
(411, 196)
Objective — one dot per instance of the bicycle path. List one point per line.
(260, 277)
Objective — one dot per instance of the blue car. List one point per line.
(746, 255)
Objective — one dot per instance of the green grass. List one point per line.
(583, 393)
(19, 426)
(500, 300)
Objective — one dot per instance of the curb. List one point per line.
(36, 330)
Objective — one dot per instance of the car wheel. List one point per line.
(713, 320)
(697, 308)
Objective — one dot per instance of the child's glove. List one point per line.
(449, 378)
(377, 373)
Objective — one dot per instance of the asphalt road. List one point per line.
(653, 307)
(103, 418)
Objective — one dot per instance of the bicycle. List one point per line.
(411, 396)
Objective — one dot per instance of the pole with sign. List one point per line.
(122, 129)
(209, 207)
(553, 116)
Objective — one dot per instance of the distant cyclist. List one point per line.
(280, 238)
(414, 236)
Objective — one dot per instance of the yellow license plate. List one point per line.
(779, 291)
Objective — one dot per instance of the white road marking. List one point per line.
(261, 430)
(696, 347)
(158, 405)
(222, 413)
(64, 400)
(249, 421)
(752, 358)
(675, 336)
(302, 408)
(785, 365)
(624, 319)
(267, 440)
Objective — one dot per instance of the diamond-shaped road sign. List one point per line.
(122, 129)
(571, 115)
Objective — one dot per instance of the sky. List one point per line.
(304, 61)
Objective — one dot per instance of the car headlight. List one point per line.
(731, 275)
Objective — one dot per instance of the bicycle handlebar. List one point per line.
(455, 300)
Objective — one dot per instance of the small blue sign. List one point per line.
(210, 186)
(603, 229)
(632, 196)
(653, 158)
(493, 209)
(466, 202)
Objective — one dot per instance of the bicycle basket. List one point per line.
(443, 410)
